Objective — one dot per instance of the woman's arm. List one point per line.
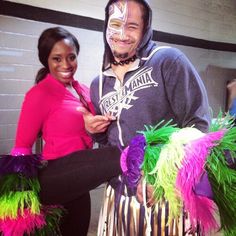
(30, 123)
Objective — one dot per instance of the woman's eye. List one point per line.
(72, 57)
(57, 59)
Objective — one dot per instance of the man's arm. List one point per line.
(187, 94)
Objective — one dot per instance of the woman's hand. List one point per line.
(96, 123)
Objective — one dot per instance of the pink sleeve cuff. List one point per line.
(21, 151)
(123, 159)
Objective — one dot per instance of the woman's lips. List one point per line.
(66, 74)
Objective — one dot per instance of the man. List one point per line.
(232, 98)
(140, 84)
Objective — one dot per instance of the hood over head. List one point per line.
(147, 36)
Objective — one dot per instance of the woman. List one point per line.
(51, 109)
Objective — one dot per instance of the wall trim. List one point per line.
(62, 18)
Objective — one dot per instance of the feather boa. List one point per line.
(201, 209)
(188, 168)
(20, 210)
(167, 167)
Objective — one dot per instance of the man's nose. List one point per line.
(123, 34)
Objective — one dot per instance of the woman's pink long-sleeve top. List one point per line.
(51, 108)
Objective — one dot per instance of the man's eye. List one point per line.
(132, 27)
(115, 25)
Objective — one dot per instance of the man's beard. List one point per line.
(120, 55)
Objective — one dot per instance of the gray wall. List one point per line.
(213, 20)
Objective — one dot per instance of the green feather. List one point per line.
(14, 203)
(17, 182)
(17, 193)
(159, 134)
(221, 122)
(151, 157)
(155, 136)
(223, 181)
(53, 217)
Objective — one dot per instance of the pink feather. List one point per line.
(200, 208)
(25, 223)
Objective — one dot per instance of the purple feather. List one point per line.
(135, 157)
(203, 187)
(27, 165)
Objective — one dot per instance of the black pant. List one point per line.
(67, 178)
(76, 221)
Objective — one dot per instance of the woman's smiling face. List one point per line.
(62, 61)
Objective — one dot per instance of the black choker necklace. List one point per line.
(125, 62)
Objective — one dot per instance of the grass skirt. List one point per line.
(122, 215)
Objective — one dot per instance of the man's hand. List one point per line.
(95, 123)
(149, 194)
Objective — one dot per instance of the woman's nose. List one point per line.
(66, 63)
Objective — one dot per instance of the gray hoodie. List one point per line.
(162, 85)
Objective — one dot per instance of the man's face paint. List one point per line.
(124, 29)
(118, 16)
